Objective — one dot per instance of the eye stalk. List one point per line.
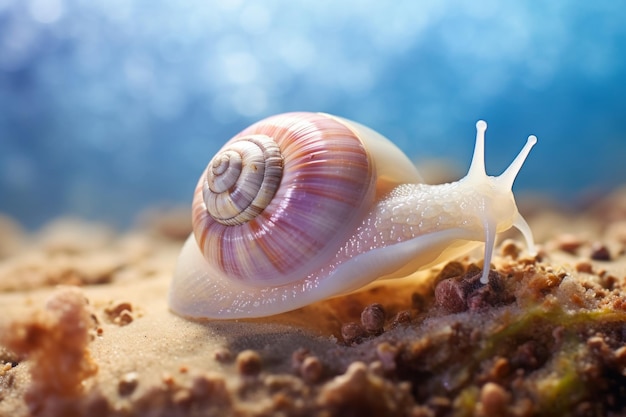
(499, 208)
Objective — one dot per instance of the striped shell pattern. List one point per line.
(271, 200)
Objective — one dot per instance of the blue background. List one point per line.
(111, 106)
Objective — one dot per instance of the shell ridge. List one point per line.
(317, 208)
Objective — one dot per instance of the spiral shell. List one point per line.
(241, 180)
(276, 194)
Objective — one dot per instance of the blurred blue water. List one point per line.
(111, 106)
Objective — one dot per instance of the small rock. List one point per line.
(311, 369)
(584, 266)
(569, 243)
(387, 354)
(117, 307)
(402, 317)
(223, 355)
(127, 384)
(510, 248)
(248, 363)
(600, 252)
(449, 294)
(120, 312)
(450, 270)
(210, 387)
(373, 318)
(494, 399)
(297, 357)
(352, 333)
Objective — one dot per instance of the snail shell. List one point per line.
(303, 206)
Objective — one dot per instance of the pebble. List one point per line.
(248, 363)
(510, 248)
(569, 243)
(120, 313)
(210, 386)
(494, 399)
(500, 369)
(128, 383)
(297, 357)
(600, 252)
(402, 317)
(450, 295)
(311, 369)
(223, 355)
(308, 366)
(373, 318)
(4, 368)
(352, 333)
(387, 354)
(450, 270)
(168, 379)
(584, 266)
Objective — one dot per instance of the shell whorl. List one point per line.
(313, 194)
(241, 180)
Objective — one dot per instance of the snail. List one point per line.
(300, 207)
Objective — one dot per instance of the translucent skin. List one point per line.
(412, 227)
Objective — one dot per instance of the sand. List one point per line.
(85, 330)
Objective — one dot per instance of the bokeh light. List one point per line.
(108, 107)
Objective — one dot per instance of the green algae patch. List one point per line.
(560, 384)
(545, 358)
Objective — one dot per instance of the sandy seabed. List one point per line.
(85, 331)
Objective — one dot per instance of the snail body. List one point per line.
(300, 207)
